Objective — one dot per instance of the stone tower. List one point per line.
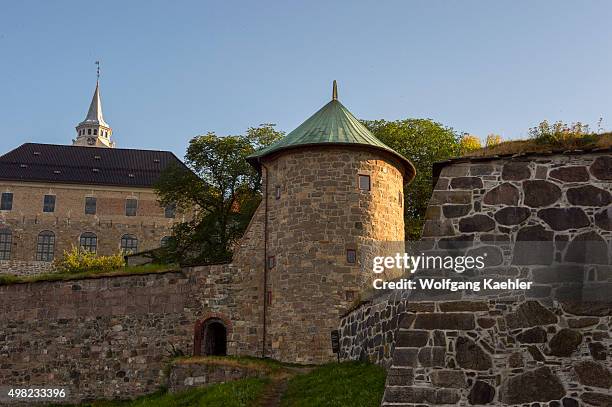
(332, 191)
(94, 131)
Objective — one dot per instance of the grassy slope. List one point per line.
(349, 384)
(241, 393)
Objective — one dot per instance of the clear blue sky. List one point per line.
(172, 70)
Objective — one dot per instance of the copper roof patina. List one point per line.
(332, 124)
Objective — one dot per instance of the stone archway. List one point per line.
(210, 336)
(214, 338)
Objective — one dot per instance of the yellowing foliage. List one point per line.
(469, 142)
(78, 260)
(493, 140)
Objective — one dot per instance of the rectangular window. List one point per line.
(131, 205)
(349, 295)
(400, 198)
(90, 205)
(271, 262)
(6, 202)
(6, 243)
(269, 297)
(89, 131)
(364, 182)
(278, 192)
(95, 132)
(170, 211)
(49, 203)
(351, 256)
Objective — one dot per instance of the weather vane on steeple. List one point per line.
(98, 70)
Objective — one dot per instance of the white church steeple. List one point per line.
(94, 131)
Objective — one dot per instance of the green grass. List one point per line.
(350, 384)
(270, 366)
(57, 276)
(241, 393)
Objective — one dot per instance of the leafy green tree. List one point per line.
(220, 193)
(423, 142)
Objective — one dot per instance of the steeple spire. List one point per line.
(94, 131)
(335, 91)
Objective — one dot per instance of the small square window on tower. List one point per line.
(349, 295)
(364, 182)
(277, 192)
(271, 262)
(351, 256)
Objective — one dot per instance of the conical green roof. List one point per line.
(332, 124)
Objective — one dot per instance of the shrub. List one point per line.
(562, 134)
(78, 260)
(468, 143)
(493, 140)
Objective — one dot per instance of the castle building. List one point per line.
(89, 195)
(332, 192)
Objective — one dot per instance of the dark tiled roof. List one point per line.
(84, 165)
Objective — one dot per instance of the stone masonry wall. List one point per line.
(319, 214)
(545, 219)
(106, 337)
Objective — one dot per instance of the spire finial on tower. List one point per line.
(98, 70)
(335, 91)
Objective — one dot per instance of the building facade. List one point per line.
(89, 195)
(332, 192)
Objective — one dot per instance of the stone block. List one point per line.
(516, 171)
(466, 183)
(481, 393)
(476, 223)
(399, 376)
(504, 194)
(565, 342)
(528, 314)
(534, 335)
(539, 193)
(536, 385)
(570, 174)
(463, 306)
(451, 197)
(405, 357)
(593, 374)
(432, 356)
(512, 215)
(412, 338)
(445, 321)
(455, 211)
(564, 218)
(602, 168)
(470, 355)
(448, 378)
(588, 195)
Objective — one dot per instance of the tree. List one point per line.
(221, 191)
(423, 142)
(469, 142)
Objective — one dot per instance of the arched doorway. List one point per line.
(214, 337)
